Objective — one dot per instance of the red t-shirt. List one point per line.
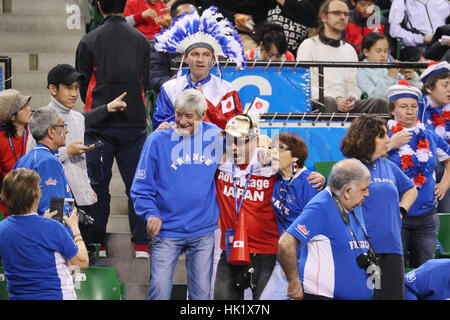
(147, 26)
(261, 221)
(7, 157)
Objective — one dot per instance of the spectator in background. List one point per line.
(431, 281)
(200, 45)
(272, 44)
(304, 12)
(144, 15)
(391, 195)
(363, 20)
(332, 234)
(15, 114)
(434, 109)
(49, 130)
(246, 15)
(113, 59)
(415, 22)
(420, 226)
(294, 32)
(375, 81)
(439, 46)
(341, 91)
(35, 250)
(160, 61)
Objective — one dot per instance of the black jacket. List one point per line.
(114, 58)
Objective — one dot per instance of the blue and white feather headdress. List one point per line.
(209, 30)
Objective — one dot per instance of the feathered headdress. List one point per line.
(209, 30)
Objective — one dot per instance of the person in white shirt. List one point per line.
(341, 91)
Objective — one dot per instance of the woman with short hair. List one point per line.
(391, 193)
(36, 251)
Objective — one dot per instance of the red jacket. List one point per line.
(358, 27)
(147, 26)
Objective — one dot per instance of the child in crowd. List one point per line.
(375, 81)
(272, 44)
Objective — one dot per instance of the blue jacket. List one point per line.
(431, 281)
(375, 81)
(53, 180)
(174, 181)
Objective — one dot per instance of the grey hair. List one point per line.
(41, 121)
(191, 99)
(347, 172)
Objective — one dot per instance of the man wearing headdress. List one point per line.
(201, 39)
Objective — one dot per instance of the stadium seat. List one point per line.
(3, 289)
(324, 167)
(99, 283)
(444, 235)
(94, 283)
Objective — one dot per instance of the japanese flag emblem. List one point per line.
(228, 104)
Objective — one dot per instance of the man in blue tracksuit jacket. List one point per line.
(49, 130)
(174, 191)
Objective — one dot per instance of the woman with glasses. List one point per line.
(15, 114)
(291, 193)
(391, 193)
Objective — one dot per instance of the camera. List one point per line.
(367, 260)
(85, 219)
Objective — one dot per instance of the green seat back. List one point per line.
(324, 167)
(444, 231)
(99, 283)
(3, 288)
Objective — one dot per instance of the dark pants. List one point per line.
(371, 105)
(125, 145)
(228, 276)
(392, 278)
(419, 238)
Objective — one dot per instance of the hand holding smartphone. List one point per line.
(64, 207)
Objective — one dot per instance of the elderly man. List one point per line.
(244, 187)
(334, 243)
(174, 191)
(49, 130)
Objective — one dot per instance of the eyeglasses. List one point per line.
(281, 148)
(340, 13)
(61, 126)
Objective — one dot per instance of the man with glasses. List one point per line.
(49, 130)
(340, 87)
(244, 185)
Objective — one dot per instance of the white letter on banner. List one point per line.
(264, 86)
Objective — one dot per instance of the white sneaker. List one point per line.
(142, 255)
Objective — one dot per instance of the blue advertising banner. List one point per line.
(322, 141)
(286, 89)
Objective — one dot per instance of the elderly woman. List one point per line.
(367, 141)
(34, 249)
(291, 193)
(15, 114)
(417, 159)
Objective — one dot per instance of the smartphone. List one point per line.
(64, 206)
(96, 144)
